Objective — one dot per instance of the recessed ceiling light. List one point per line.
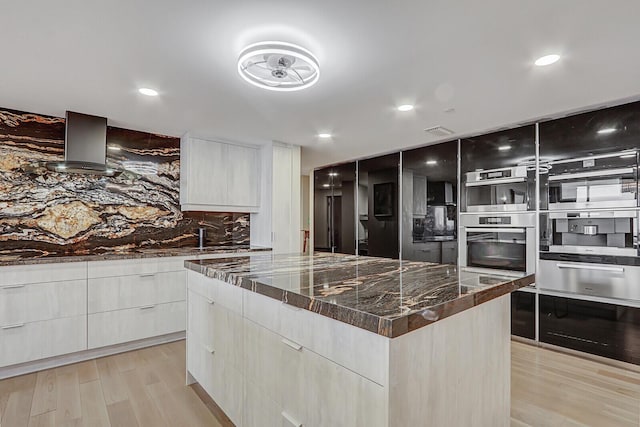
(432, 162)
(504, 148)
(326, 185)
(405, 107)
(148, 92)
(278, 66)
(607, 130)
(547, 60)
(324, 135)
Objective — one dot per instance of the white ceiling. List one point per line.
(474, 56)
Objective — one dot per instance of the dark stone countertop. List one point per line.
(28, 258)
(384, 296)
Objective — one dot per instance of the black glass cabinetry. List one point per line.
(429, 203)
(523, 314)
(590, 160)
(606, 330)
(335, 209)
(378, 213)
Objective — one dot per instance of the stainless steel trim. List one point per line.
(516, 207)
(591, 267)
(495, 229)
(494, 181)
(517, 219)
(592, 250)
(606, 172)
(590, 230)
(594, 214)
(630, 203)
(601, 156)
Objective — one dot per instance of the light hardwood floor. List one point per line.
(146, 388)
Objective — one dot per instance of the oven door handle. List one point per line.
(591, 267)
(495, 230)
(591, 174)
(494, 181)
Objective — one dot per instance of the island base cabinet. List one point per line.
(26, 342)
(306, 388)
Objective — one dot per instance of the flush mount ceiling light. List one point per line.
(607, 130)
(405, 107)
(324, 135)
(278, 66)
(547, 60)
(148, 92)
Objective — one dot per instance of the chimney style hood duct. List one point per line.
(85, 146)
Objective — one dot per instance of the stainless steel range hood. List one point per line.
(85, 146)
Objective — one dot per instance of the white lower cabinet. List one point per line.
(26, 342)
(119, 326)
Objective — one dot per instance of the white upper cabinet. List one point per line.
(219, 177)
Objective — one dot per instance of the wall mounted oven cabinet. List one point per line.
(604, 181)
(607, 330)
(499, 190)
(498, 241)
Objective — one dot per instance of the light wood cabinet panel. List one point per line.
(220, 177)
(131, 267)
(115, 327)
(54, 272)
(222, 293)
(38, 340)
(24, 303)
(117, 293)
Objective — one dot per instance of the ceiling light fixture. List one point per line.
(607, 130)
(324, 135)
(278, 66)
(547, 60)
(504, 148)
(432, 162)
(405, 107)
(148, 92)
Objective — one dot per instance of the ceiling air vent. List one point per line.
(439, 131)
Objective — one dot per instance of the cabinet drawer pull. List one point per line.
(591, 267)
(210, 301)
(209, 349)
(17, 325)
(148, 275)
(290, 419)
(13, 286)
(296, 347)
(147, 307)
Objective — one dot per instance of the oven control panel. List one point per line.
(495, 220)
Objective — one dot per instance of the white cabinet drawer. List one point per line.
(361, 351)
(115, 327)
(39, 340)
(117, 293)
(293, 376)
(39, 273)
(216, 328)
(26, 303)
(131, 267)
(229, 296)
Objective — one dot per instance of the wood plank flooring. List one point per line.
(146, 388)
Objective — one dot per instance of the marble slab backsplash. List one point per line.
(49, 213)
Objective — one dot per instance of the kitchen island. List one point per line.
(333, 340)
